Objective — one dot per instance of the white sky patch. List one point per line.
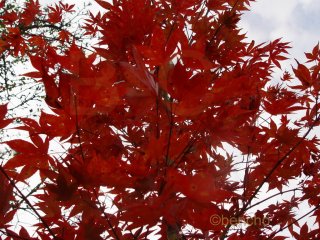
(296, 21)
(275, 11)
(78, 3)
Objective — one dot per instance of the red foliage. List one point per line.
(147, 118)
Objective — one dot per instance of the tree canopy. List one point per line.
(169, 125)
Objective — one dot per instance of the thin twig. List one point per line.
(267, 177)
(3, 171)
(293, 222)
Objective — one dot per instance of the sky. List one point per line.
(296, 21)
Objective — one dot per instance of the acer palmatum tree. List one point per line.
(29, 28)
(170, 127)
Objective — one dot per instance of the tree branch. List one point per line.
(45, 224)
(267, 177)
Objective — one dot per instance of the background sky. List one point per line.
(296, 21)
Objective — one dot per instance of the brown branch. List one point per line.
(45, 224)
(185, 151)
(52, 26)
(293, 222)
(36, 188)
(78, 129)
(170, 132)
(103, 213)
(246, 177)
(5, 75)
(223, 23)
(272, 196)
(83, 158)
(267, 177)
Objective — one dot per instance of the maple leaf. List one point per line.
(6, 192)
(3, 112)
(201, 187)
(55, 14)
(31, 10)
(303, 74)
